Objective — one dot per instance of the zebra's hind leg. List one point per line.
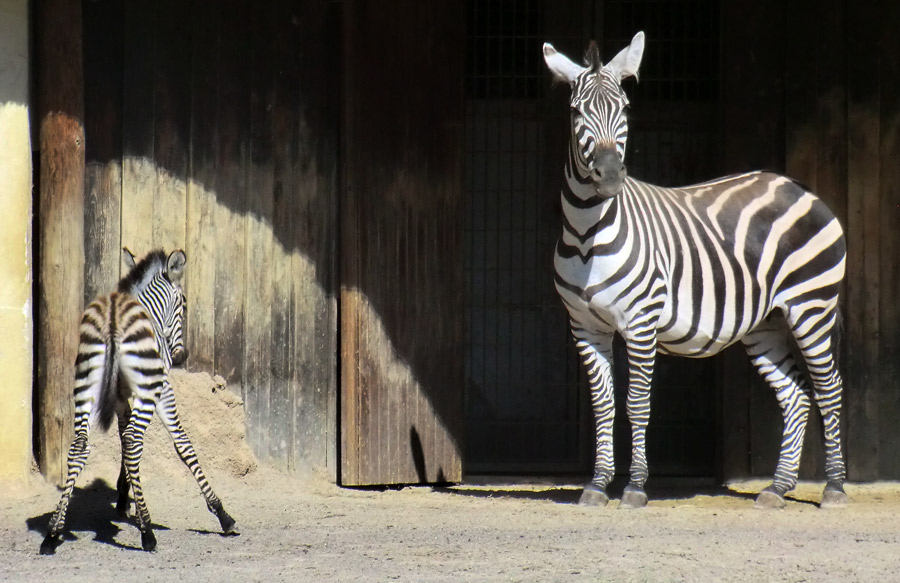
(77, 458)
(133, 448)
(815, 339)
(596, 354)
(122, 484)
(770, 352)
(168, 413)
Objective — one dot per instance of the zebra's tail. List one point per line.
(109, 386)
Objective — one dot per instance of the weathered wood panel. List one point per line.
(138, 102)
(200, 278)
(863, 253)
(61, 220)
(401, 269)
(314, 235)
(103, 42)
(260, 211)
(889, 242)
(231, 193)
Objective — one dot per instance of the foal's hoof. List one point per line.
(833, 496)
(633, 497)
(48, 547)
(768, 499)
(148, 541)
(228, 525)
(593, 496)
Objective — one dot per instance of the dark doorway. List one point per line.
(526, 404)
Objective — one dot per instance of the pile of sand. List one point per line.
(212, 417)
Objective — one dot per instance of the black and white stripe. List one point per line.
(128, 342)
(754, 258)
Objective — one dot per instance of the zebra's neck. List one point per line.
(584, 210)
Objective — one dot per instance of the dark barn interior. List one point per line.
(367, 193)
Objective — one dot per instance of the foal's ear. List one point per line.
(626, 63)
(128, 258)
(560, 65)
(175, 265)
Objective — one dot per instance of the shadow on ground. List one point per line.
(91, 509)
(569, 492)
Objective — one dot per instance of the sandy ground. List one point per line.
(293, 530)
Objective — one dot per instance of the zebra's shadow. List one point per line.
(92, 509)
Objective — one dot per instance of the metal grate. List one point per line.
(521, 378)
(502, 62)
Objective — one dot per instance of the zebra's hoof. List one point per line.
(633, 497)
(48, 546)
(834, 496)
(593, 496)
(148, 541)
(768, 499)
(228, 525)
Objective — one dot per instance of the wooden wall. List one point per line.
(215, 128)
(810, 89)
(401, 259)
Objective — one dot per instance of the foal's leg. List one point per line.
(77, 458)
(168, 414)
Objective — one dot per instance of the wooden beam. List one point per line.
(61, 224)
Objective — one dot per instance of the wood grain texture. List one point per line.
(61, 226)
(401, 265)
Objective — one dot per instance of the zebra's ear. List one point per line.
(560, 65)
(175, 265)
(128, 258)
(626, 63)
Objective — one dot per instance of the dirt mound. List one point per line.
(212, 417)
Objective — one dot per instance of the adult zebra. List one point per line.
(129, 341)
(688, 271)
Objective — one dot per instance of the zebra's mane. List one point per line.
(139, 277)
(592, 57)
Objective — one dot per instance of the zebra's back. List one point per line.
(117, 353)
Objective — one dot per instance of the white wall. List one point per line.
(15, 244)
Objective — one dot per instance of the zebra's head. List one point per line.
(155, 281)
(598, 102)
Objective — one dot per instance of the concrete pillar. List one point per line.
(15, 244)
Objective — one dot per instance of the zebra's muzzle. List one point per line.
(608, 172)
(179, 357)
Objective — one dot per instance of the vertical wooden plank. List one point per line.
(103, 44)
(753, 129)
(231, 161)
(315, 234)
(259, 244)
(861, 373)
(284, 27)
(889, 231)
(402, 255)
(201, 233)
(138, 168)
(61, 224)
(171, 122)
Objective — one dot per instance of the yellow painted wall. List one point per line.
(15, 244)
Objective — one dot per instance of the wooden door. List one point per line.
(401, 260)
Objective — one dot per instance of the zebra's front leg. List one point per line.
(641, 359)
(77, 458)
(770, 353)
(596, 354)
(168, 413)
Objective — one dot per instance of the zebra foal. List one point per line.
(753, 258)
(129, 341)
